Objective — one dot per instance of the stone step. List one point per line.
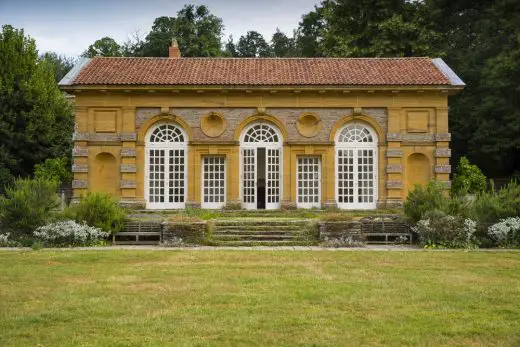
(260, 222)
(224, 237)
(239, 228)
(250, 243)
(270, 231)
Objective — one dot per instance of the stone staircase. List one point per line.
(262, 232)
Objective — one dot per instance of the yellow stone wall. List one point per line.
(413, 149)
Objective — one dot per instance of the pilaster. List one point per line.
(128, 156)
(394, 157)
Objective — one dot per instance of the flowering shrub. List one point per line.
(4, 240)
(70, 233)
(438, 229)
(506, 232)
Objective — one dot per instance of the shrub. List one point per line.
(28, 204)
(54, 169)
(506, 232)
(99, 210)
(69, 233)
(336, 217)
(509, 196)
(424, 199)
(438, 229)
(468, 179)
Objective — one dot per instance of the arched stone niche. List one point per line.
(104, 175)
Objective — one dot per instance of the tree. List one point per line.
(104, 47)
(309, 34)
(197, 31)
(35, 118)
(253, 45)
(230, 48)
(61, 64)
(133, 46)
(282, 45)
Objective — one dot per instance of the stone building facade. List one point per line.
(166, 133)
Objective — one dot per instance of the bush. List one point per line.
(99, 210)
(422, 200)
(506, 232)
(69, 233)
(336, 217)
(54, 169)
(28, 204)
(439, 230)
(468, 179)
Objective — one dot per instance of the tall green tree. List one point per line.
(282, 45)
(61, 64)
(35, 118)
(104, 47)
(198, 32)
(482, 44)
(253, 45)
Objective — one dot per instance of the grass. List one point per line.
(252, 298)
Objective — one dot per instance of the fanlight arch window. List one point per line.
(356, 133)
(356, 167)
(261, 133)
(166, 133)
(166, 167)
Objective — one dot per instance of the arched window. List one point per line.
(356, 167)
(261, 132)
(167, 133)
(166, 167)
(261, 158)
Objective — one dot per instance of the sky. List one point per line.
(69, 27)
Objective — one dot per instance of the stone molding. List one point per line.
(394, 153)
(128, 152)
(443, 169)
(442, 153)
(79, 184)
(394, 184)
(80, 152)
(443, 137)
(128, 137)
(127, 184)
(394, 168)
(79, 168)
(132, 203)
(128, 168)
(392, 137)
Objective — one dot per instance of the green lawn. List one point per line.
(258, 298)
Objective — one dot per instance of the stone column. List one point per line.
(128, 154)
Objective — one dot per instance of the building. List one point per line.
(166, 133)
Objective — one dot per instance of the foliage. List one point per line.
(468, 179)
(490, 207)
(27, 205)
(99, 210)
(54, 169)
(421, 200)
(506, 232)
(35, 118)
(61, 64)
(197, 31)
(104, 47)
(282, 45)
(252, 45)
(336, 217)
(438, 229)
(69, 233)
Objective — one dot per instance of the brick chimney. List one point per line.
(174, 51)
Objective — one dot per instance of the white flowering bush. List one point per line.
(4, 240)
(69, 233)
(439, 230)
(506, 232)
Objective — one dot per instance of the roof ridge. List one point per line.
(268, 58)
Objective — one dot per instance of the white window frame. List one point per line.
(308, 204)
(355, 146)
(212, 205)
(166, 146)
(255, 145)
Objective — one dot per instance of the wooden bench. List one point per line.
(139, 233)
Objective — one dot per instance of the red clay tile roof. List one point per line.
(261, 71)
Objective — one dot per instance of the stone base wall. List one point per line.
(190, 233)
(330, 231)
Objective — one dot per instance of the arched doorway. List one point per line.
(356, 167)
(418, 170)
(261, 157)
(105, 175)
(166, 175)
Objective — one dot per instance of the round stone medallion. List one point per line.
(213, 124)
(308, 124)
